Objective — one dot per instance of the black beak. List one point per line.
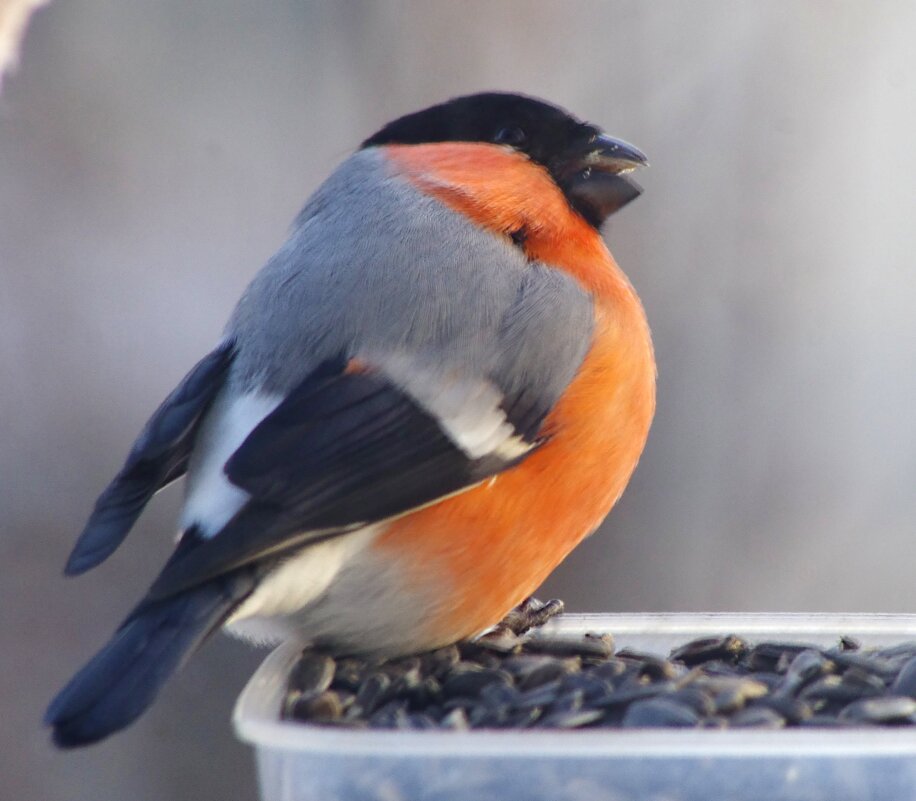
(615, 155)
(599, 187)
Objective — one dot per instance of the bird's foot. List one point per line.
(530, 614)
(506, 636)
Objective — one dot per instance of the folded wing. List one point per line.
(343, 450)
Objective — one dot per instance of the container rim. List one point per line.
(256, 716)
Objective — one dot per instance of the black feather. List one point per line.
(158, 457)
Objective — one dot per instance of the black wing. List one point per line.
(158, 457)
(341, 451)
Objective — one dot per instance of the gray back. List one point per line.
(375, 268)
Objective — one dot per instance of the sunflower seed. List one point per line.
(729, 648)
(627, 695)
(804, 667)
(906, 650)
(571, 646)
(696, 699)
(350, 674)
(659, 712)
(572, 719)
(324, 707)
(501, 639)
(757, 717)
(549, 671)
(469, 683)
(457, 719)
(313, 673)
(792, 709)
(767, 655)
(649, 665)
(889, 709)
(439, 662)
(835, 689)
(905, 683)
(376, 690)
(505, 680)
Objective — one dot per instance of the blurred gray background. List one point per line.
(152, 155)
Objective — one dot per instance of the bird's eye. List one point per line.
(510, 135)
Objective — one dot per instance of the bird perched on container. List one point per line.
(438, 386)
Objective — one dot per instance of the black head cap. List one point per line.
(586, 164)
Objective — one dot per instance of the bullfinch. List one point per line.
(437, 387)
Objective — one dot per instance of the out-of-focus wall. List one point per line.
(153, 153)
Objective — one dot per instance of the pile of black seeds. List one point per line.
(507, 680)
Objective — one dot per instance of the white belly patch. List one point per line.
(296, 582)
(344, 593)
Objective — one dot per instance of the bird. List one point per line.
(438, 386)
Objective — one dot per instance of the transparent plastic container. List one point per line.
(298, 762)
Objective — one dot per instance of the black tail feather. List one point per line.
(116, 511)
(124, 678)
(158, 457)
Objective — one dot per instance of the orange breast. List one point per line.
(489, 548)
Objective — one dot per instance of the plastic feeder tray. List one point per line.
(299, 762)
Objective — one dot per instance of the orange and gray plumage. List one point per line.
(438, 386)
